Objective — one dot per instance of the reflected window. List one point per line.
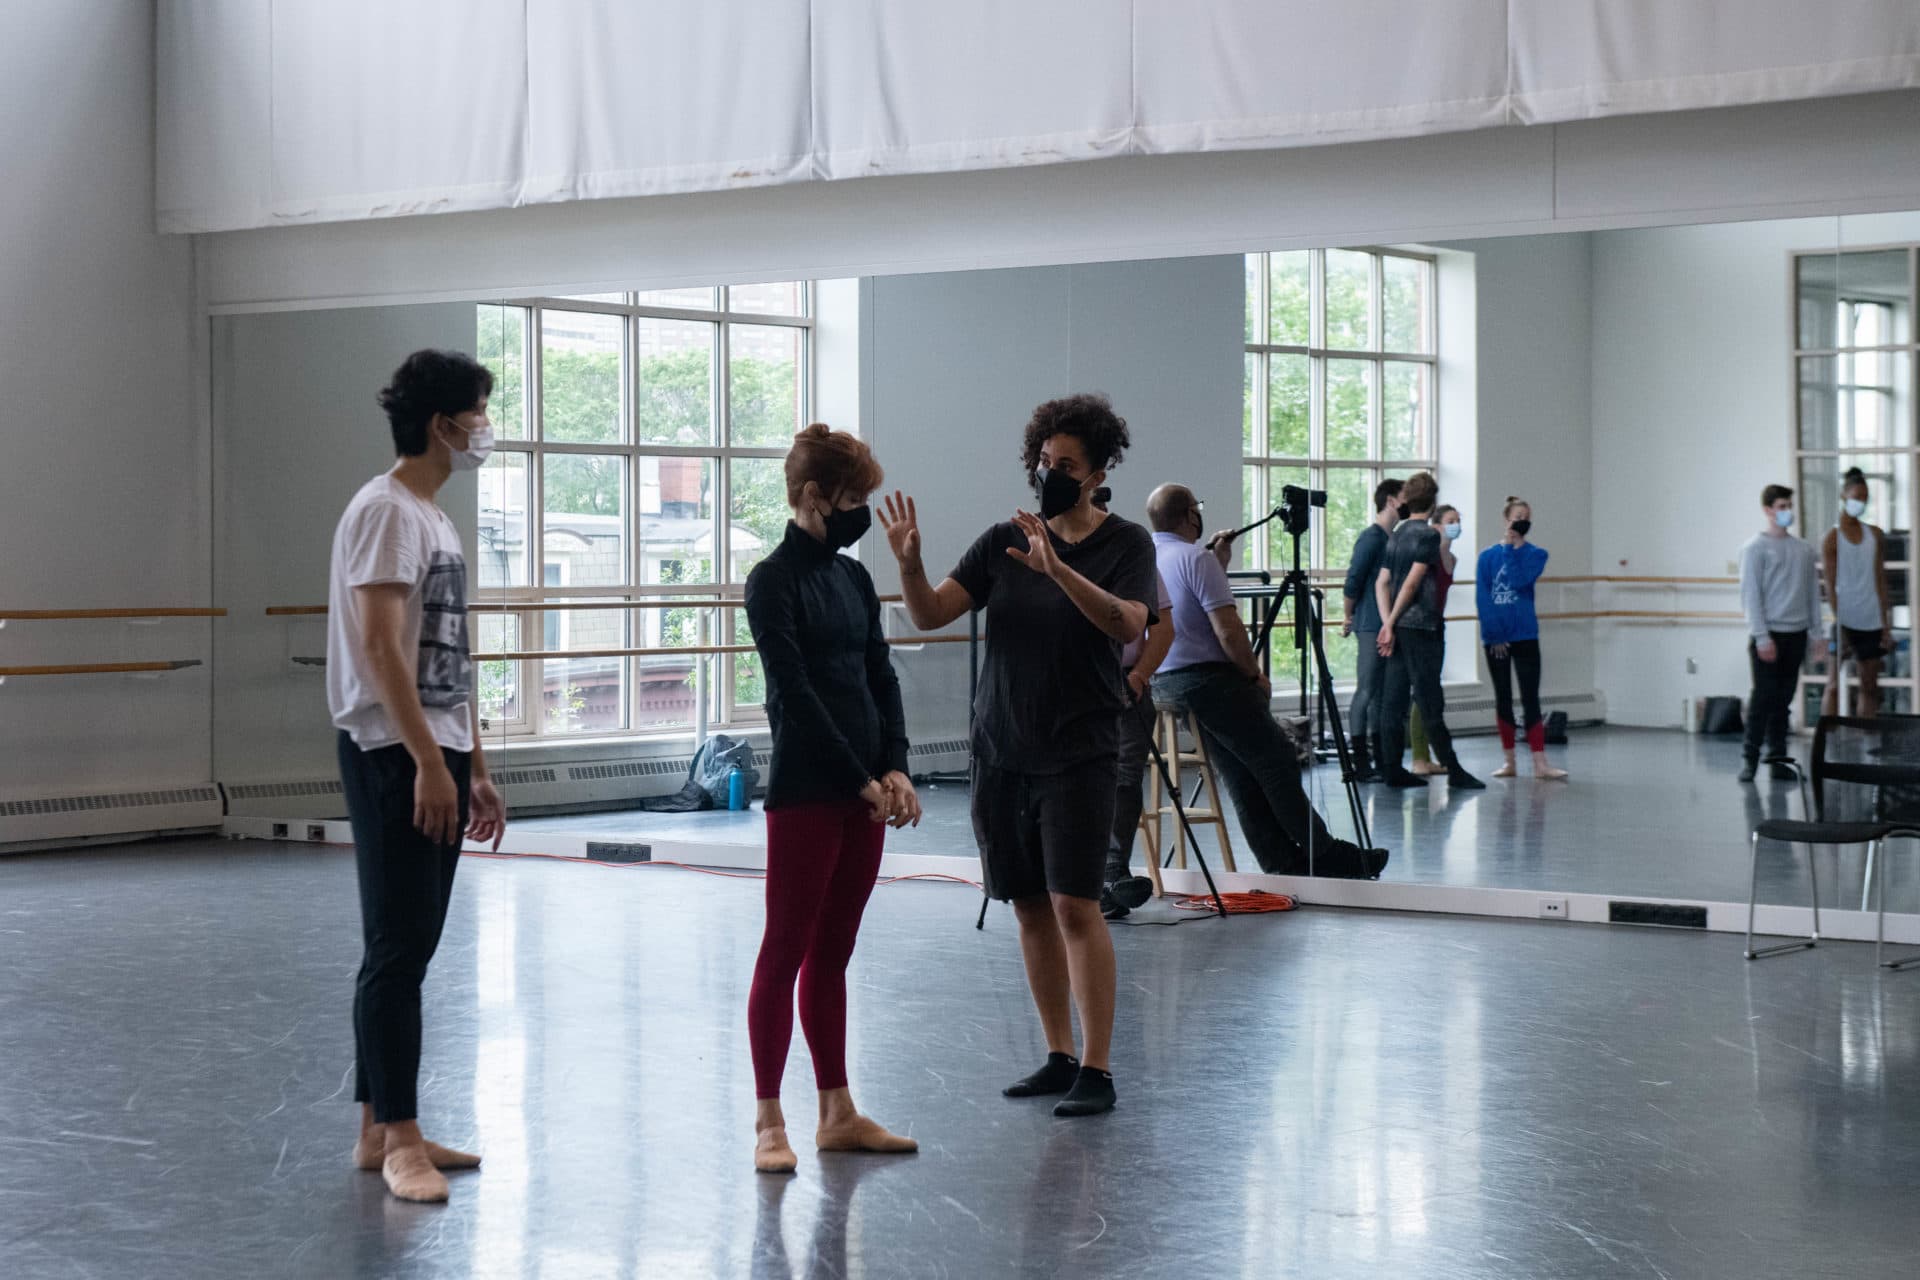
(640, 439)
(1339, 393)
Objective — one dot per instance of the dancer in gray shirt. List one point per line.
(1780, 595)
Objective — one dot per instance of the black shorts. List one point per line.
(1862, 646)
(1044, 832)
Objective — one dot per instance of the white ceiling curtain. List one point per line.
(274, 112)
(1576, 59)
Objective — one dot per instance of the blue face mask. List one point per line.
(1784, 517)
(1453, 530)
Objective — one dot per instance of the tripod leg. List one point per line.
(981, 923)
(1180, 811)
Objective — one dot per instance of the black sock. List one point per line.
(1056, 1077)
(1091, 1094)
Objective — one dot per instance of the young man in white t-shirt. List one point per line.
(401, 689)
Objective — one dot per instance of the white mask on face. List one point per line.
(1856, 508)
(479, 449)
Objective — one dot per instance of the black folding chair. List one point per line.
(1865, 790)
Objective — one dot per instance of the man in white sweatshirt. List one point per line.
(1780, 594)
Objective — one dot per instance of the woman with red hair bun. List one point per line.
(837, 777)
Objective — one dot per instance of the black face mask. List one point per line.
(1059, 493)
(844, 528)
(1521, 527)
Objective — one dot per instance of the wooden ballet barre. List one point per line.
(62, 615)
(675, 651)
(553, 606)
(101, 668)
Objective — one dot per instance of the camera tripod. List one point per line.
(1309, 610)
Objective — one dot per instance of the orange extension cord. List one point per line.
(1252, 902)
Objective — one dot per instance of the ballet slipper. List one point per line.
(771, 1152)
(411, 1176)
(1546, 772)
(1426, 769)
(370, 1153)
(862, 1134)
(1506, 771)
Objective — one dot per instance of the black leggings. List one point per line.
(406, 881)
(1522, 656)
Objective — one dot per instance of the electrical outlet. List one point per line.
(316, 831)
(1553, 908)
(280, 831)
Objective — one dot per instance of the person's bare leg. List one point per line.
(772, 1153)
(1869, 688)
(1092, 971)
(1049, 976)
(1830, 700)
(843, 1128)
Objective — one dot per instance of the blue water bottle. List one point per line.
(736, 788)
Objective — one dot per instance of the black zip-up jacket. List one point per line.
(833, 700)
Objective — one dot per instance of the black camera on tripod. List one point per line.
(1296, 507)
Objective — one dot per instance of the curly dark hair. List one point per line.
(1088, 418)
(426, 383)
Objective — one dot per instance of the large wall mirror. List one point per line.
(1638, 389)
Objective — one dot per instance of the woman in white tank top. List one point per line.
(1854, 563)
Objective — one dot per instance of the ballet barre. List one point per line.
(81, 615)
(676, 651)
(547, 606)
(100, 668)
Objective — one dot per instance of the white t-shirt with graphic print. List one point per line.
(391, 535)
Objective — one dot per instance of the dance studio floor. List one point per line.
(1327, 1094)
(1648, 813)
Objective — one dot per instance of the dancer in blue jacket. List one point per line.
(1510, 630)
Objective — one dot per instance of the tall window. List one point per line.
(1340, 391)
(640, 445)
(1853, 365)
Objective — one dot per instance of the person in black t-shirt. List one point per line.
(839, 771)
(1063, 591)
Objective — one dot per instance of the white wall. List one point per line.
(959, 360)
(1692, 388)
(1532, 428)
(102, 466)
(296, 433)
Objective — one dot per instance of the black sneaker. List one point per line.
(1399, 777)
(1748, 770)
(1376, 862)
(1110, 906)
(1461, 780)
(1131, 891)
(1783, 773)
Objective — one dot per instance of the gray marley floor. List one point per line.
(1325, 1094)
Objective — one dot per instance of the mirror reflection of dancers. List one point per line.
(1063, 591)
(838, 775)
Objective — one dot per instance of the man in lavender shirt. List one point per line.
(1212, 676)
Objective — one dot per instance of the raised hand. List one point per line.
(1039, 555)
(901, 521)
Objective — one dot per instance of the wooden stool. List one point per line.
(1159, 812)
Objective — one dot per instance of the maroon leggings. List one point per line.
(821, 864)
